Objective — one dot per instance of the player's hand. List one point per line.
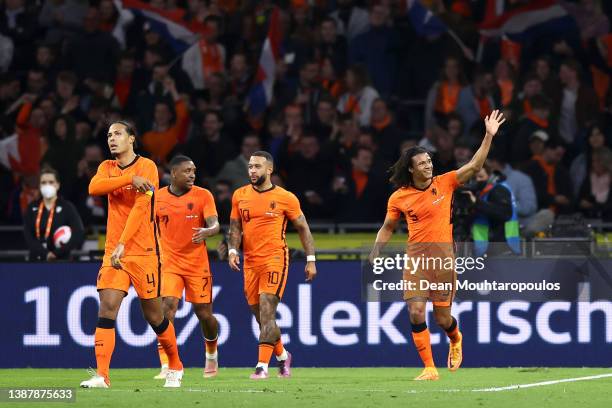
(117, 255)
(200, 235)
(494, 121)
(311, 271)
(234, 262)
(141, 184)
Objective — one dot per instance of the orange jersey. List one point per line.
(130, 213)
(177, 216)
(428, 211)
(264, 218)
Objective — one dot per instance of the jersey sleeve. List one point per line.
(142, 205)
(394, 211)
(235, 214)
(102, 183)
(449, 180)
(293, 207)
(209, 208)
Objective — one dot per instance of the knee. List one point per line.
(108, 309)
(203, 314)
(268, 328)
(443, 320)
(154, 317)
(417, 315)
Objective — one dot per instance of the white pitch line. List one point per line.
(543, 383)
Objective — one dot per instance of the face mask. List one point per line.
(48, 191)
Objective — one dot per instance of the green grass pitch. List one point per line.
(328, 387)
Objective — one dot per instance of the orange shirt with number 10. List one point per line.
(264, 216)
(177, 216)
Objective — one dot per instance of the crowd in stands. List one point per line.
(339, 115)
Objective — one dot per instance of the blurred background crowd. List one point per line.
(355, 83)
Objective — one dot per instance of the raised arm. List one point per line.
(301, 225)
(492, 124)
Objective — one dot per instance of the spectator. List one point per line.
(581, 165)
(61, 19)
(384, 130)
(462, 152)
(65, 95)
(223, 200)
(79, 55)
(36, 83)
(352, 20)
(206, 56)
(18, 22)
(537, 142)
(325, 124)
(377, 49)
(506, 81)
(236, 171)
(165, 135)
(595, 200)
(332, 46)
(521, 106)
(64, 152)
(476, 100)
(536, 119)
(359, 95)
(46, 61)
(277, 133)
(308, 175)
(115, 19)
(44, 217)
(443, 96)
(521, 185)
(542, 69)
(92, 209)
(551, 179)
(211, 149)
(239, 77)
(495, 215)
(329, 79)
(577, 105)
(306, 93)
(359, 194)
(123, 87)
(153, 93)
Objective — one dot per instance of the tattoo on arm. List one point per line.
(213, 222)
(235, 233)
(303, 230)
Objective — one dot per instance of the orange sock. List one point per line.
(167, 338)
(104, 345)
(278, 348)
(163, 357)
(420, 336)
(211, 345)
(265, 353)
(453, 331)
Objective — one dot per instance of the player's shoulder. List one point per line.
(399, 193)
(243, 191)
(202, 192)
(450, 177)
(163, 192)
(283, 192)
(144, 162)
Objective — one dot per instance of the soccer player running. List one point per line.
(186, 216)
(259, 218)
(425, 202)
(131, 252)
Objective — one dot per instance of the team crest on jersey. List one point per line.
(272, 205)
(434, 191)
(190, 206)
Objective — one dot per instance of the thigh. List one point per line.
(111, 278)
(198, 289)
(145, 274)
(172, 285)
(251, 286)
(272, 280)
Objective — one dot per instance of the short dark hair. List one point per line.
(50, 170)
(178, 159)
(262, 153)
(130, 129)
(540, 101)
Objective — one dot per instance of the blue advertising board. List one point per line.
(50, 313)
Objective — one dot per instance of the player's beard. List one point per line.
(259, 181)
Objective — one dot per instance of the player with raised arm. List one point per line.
(425, 202)
(131, 253)
(259, 216)
(186, 216)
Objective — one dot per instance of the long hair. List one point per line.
(400, 174)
